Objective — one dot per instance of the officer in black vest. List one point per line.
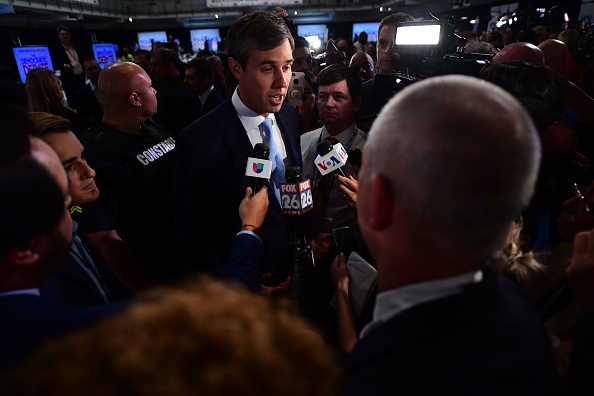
(132, 157)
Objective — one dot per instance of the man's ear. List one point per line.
(381, 205)
(24, 255)
(235, 68)
(134, 99)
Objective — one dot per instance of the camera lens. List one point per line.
(295, 81)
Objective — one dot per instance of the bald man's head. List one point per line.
(463, 173)
(525, 52)
(125, 87)
(555, 54)
(363, 63)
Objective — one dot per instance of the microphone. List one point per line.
(259, 167)
(295, 194)
(330, 158)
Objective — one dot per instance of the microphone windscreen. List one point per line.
(324, 147)
(261, 151)
(293, 174)
(395, 59)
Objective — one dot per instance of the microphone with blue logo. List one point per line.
(258, 166)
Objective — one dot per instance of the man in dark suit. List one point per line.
(67, 58)
(200, 80)
(437, 196)
(177, 107)
(85, 278)
(35, 234)
(211, 153)
(86, 99)
(385, 44)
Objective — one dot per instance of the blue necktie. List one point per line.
(278, 167)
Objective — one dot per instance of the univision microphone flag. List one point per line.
(259, 168)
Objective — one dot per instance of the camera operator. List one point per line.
(385, 44)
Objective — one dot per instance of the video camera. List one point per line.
(421, 50)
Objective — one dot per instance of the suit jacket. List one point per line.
(486, 340)
(72, 287)
(86, 103)
(209, 183)
(244, 264)
(28, 323)
(176, 106)
(213, 101)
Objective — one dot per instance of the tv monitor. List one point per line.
(319, 30)
(203, 37)
(147, 39)
(425, 34)
(105, 54)
(368, 27)
(314, 42)
(33, 57)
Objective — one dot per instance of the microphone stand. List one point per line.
(303, 262)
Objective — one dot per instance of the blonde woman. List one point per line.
(45, 94)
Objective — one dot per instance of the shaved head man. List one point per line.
(127, 96)
(363, 63)
(132, 157)
(521, 52)
(441, 182)
(555, 54)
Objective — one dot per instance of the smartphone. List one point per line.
(335, 48)
(355, 157)
(295, 93)
(345, 241)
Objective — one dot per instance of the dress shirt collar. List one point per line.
(249, 118)
(343, 137)
(393, 302)
(205, 94)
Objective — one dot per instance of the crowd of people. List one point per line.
(137, 255)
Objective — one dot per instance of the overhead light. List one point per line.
(217, 16)
(510, 21)
(381, 9)
(473, 21)
(129, 19)
(566, 17)
(389, 9)
(515, 19)
(463, 18)
(295, 12)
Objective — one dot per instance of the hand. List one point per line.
(320, 246)
(349, 187)
(340, 273)
(253, 208)
(577, 215)
(280, 288)
(580, 272)
(333, 57)
(280, 12)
